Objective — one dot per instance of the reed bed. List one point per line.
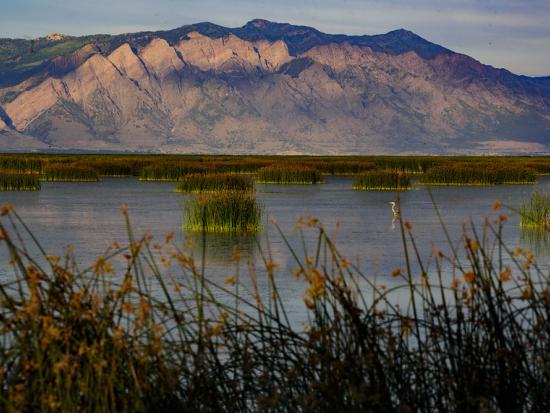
(382, 181)
(215, 182)
(99, 339)
(21, 163)
(289, 174)
(480, 174)
(535, 213)
(244, 166)
(19, 181)
(339, 167)
(170, 170)
(114, 167)
(119, 165)
(69, 173)
(411, 165)
(226, 211)
(541, 167)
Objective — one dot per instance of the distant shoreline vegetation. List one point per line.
(283, 170)
(479, 174)
(215, 182)
(65, 172)
(289, 174)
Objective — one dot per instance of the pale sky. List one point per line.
(514, 34)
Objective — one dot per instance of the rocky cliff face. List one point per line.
(274, 88)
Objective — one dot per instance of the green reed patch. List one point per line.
(227, 211)
(170, 170)
(478, 174)
(289, 174)
(382, 181)
(12, 181)
(535, 212)
(69, 173)
(215, 182)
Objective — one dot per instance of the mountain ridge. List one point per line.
(271, 88)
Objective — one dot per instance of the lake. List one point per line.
(88, 216)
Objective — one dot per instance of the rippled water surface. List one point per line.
(87, 216)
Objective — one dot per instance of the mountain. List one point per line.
(263, 88)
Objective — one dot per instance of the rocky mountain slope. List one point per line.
(264, 88)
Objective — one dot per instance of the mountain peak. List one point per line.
(258, 23)
(403, 32)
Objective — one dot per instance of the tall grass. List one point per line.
(478, 174)
(535, 213)
(341, 167)
(166, 167)
(97, 339)
(240, 166)
(540, 165)
(69, 173)
(215, 182)
(169, 170)
(19, 182)
(113, 167)
(382, 181)
(405, 164)
(226, 211)
(288, 174)
(21, 163)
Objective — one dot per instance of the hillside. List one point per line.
(264, 88)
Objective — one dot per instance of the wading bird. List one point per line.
(394, 209)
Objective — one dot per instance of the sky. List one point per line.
(514, 34)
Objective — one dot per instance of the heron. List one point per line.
(394, 209)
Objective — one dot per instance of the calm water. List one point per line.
(87, 216)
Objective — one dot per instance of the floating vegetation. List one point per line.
(11, 181)
(382, 181)
(535, 213)
(289, 174)
(478, 174)
(215, 182)
(226, 211)
(69, 173)
(170, 171)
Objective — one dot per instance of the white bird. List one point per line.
(394, 209)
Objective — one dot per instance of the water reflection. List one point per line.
(221, 248)
(537, 240)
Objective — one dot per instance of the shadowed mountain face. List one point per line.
(264, 88)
